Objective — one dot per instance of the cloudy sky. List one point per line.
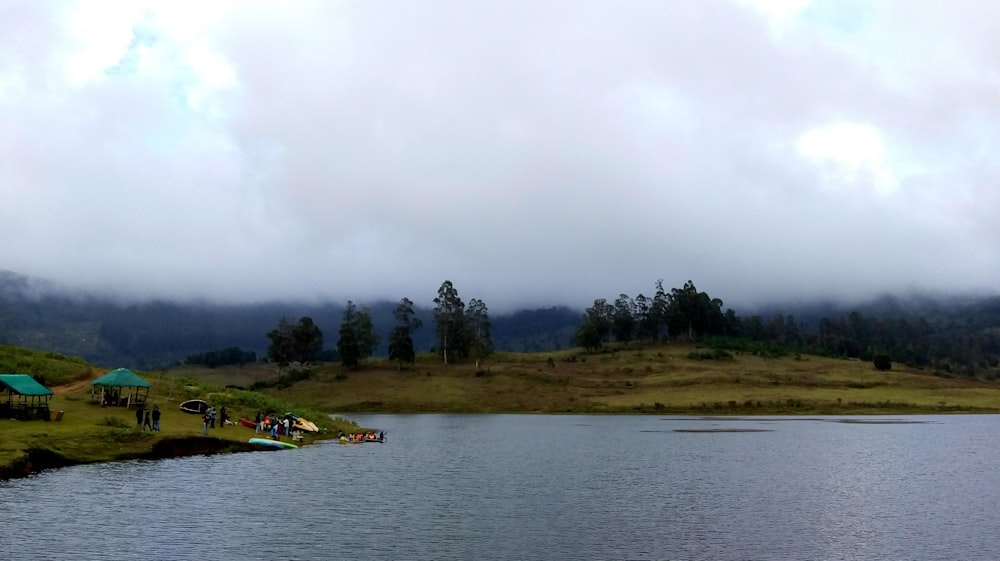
(534, 153)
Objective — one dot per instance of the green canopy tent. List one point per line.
(120, 387)
(25, 399)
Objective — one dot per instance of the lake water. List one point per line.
(532, 487)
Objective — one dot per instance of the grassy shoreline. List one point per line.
(661, 380)
(90, 433)
(667, 379)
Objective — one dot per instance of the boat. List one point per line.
(298, 423)
(345, 440)
(248, 423)
(272, 443)
(196, 406)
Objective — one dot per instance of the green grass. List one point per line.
(663, 379)
(55, 368)
(91, 433)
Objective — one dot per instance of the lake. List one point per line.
(542, 487)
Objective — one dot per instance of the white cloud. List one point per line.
(548, 152)
(850, 153)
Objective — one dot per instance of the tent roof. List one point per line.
(121, 378)
(23, 384)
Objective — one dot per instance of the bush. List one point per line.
(882, 363)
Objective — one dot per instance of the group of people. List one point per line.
(274, 425)
(362, 436)
(210, 415)
(148, 419)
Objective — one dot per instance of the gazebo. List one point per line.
(121, 388)
(25, 399)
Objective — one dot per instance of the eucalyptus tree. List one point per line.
(623, 318)
(596, 326)
(693, 313)
(449, 321)
(357, 339)
(281, 349)
(477, 324)
(307, 340)
(301, 342)
(401, 339)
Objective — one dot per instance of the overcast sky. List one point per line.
(533, 153)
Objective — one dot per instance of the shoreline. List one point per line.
(37, 460)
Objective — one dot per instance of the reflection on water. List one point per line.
(541, 487)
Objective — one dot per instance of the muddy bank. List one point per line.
(40, 459)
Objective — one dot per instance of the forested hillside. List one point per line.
(952, 335)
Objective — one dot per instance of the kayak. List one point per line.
(305, 425)
(272, 443)
(248, 423)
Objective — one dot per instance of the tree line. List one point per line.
(963, 341)
(463, 332)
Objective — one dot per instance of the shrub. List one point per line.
(882, 362)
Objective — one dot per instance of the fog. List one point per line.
(533, 153)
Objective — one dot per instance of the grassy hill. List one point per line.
(667, 379)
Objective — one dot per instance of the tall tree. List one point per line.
(596, 325)
(449, 320)
(281, 349)
(691, 313)
(357, 339)
(659, 311)
(477, 323)
(623, 319)
(307, 340)
(401, 340)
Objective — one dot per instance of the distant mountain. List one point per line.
(156, 334)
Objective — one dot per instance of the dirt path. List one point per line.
(72, 387)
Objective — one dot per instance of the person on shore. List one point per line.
(147, 422)
(138, 416)
(222, 417)
(207, 418)
(211, 413)
(156, 418)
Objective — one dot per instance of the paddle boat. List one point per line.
(196, 406)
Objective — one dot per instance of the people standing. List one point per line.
(259, 421)
(147, 422)
(211, 413)
(156, 418)
(207, 418)
(138, 415)
(222, 417)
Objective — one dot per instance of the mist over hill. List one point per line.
(154, 334)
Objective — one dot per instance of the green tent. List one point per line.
(31, 401)
(121, 387)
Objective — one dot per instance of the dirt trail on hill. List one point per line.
(73, 386)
